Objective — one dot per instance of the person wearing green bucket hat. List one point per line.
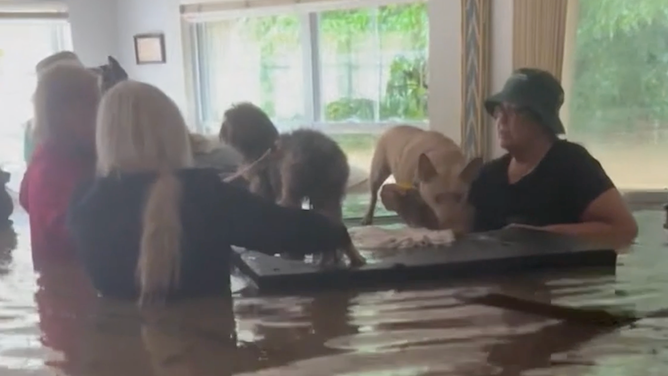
(536, 92)
(544, 182)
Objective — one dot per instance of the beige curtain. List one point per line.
(568, 68)
(539, 33)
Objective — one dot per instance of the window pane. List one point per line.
(255, 59)
(404, 45)
(350, 65)
(372, 64)
(618, 107)
(18, 57)
(372, 71)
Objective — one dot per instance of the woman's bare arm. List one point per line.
(606, 219)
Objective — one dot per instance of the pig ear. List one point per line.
(426, 169)
(391, 196)
(470, 172)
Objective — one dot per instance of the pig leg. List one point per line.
(331, 208)
(380, 171)
(289, 199)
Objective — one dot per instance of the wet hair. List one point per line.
(63, 57)
(58, 88)
(139, 128)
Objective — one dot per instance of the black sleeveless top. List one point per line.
(557, 191)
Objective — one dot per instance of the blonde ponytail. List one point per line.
(159, 264)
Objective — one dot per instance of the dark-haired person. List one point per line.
(544, 181)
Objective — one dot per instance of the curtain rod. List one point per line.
(33, 16)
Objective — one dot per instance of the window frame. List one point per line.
(60, 40)
(310, 45)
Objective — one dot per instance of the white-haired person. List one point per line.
(65, 102)
(154, 228)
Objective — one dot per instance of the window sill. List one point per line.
(639, 199)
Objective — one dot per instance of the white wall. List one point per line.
(501, 64)
(146, 16)
(445, 61)
(94, 29)
(106, 27)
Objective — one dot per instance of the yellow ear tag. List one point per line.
(405, 186)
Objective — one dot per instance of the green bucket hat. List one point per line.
(535, 90)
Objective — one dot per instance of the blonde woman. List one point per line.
(153, 227)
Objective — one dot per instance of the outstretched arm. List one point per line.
(258, 224)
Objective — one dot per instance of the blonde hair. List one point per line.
(57, 89)
(63, 57)
(139, 128)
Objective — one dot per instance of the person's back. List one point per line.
(65, 107)
(106, 221)
(152, 227)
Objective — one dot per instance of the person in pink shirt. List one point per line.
(66, 102)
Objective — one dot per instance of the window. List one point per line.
(18, 57)
(350, 73)
(251, 59)
(618, 105)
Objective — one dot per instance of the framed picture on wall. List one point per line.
(150, 48)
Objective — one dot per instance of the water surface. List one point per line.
(54, 324)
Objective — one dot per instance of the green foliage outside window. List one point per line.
(621, 61)
(405, 93)
(621, 67)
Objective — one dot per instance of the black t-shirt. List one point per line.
(557, 191)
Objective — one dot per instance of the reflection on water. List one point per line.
(55, 323)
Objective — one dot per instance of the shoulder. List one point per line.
(206, 184)
(52, 162)
(580, 172)
(575, 160)
(208, 175)
(200, 180)
(568, 151)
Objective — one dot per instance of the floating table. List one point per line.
(499, 252)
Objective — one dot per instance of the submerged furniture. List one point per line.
(498, 252)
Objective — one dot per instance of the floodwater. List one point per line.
(55, 325)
